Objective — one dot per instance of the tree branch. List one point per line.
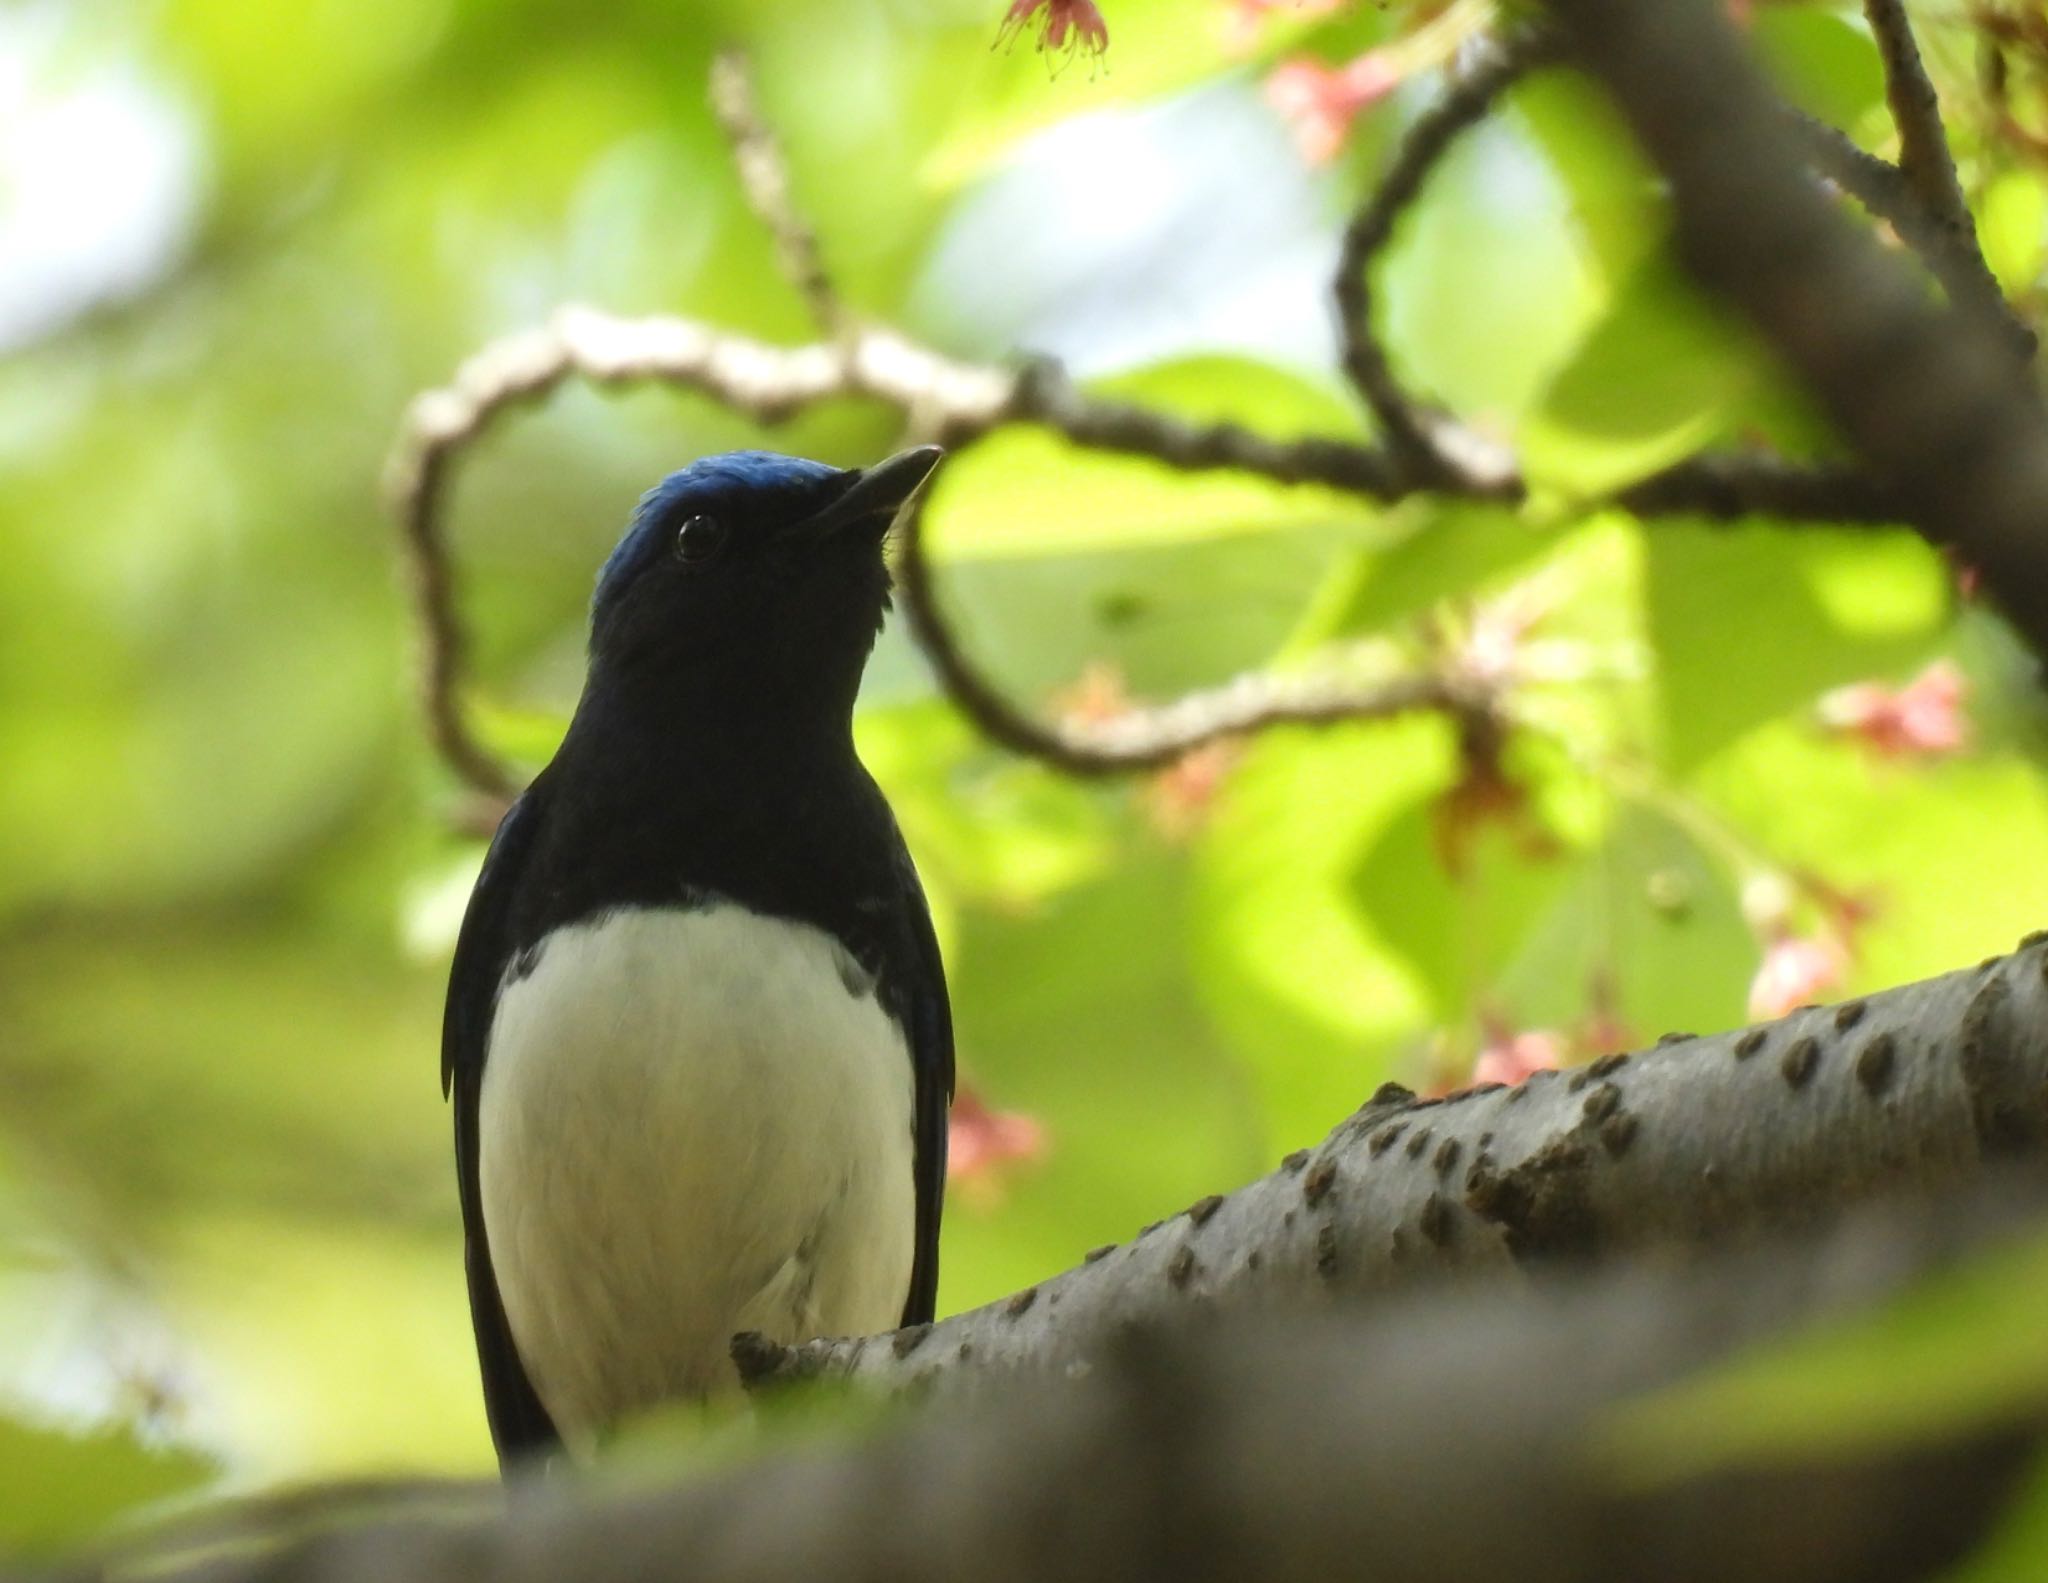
(1432, 446)
(1462, 1435)
(764, 178)
(1930, 397)
(1924, 158)
(953, 402)
(1951, 255)
(1700, 1139)
(1144, 739)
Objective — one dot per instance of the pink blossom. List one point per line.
(983, 1142)
(1320, 102)
(1097, 697)
(1796, 971)
(1075, 26)
(1923, 719)
(1509, 1057)
(1179, 797)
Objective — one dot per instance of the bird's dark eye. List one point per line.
(699, 539)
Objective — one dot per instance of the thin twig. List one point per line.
(1433, 445)
(1045, 395)
(953, 402)
(1728, 486)
(764, 178)
(763, 382)
(1885, 191)
(1924, 155)
(1928, 170)
(1150, 739)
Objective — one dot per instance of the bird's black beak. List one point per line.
(875, 495)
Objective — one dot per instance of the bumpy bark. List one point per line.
(1699, 1139)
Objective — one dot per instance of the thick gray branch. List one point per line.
(1912, 1090)
(1457, 1436)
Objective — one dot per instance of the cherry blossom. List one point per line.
(1923, 719)
(1097, 696)
(1179, 797)
(1508, 1057)
(983, 1143)
(1320, 102)
(1797, 970)
(1073, 26)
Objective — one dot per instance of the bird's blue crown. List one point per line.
(752, 481)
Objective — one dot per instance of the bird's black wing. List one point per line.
(520, 1425)
(928, 1021)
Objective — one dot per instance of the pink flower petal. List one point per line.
(1796, 971)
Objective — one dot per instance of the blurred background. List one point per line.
(1749, 768)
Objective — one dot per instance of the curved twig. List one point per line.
(954, 402)
(1436, 448)
(767, 383)
(1150, 739)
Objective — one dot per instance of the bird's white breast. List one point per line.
(691, 1123)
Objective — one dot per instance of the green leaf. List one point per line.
(1654, 380)
(1748, 627)
(65, 1489)
(1084, 1014)
(1487, 237)
(1446, 549)
(994, 830)
(1616, 195)
(1824, 63)
(1315, 997)
(1907, 837)
(2012, 228)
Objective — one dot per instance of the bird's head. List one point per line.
(753, 572)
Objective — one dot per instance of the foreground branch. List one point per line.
(1461, 1436)
(1911, 1091)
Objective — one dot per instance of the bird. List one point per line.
(697, 1036)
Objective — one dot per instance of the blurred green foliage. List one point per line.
(228, 875)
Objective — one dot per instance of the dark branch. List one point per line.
(1931, 397)
(1731, 485)
(1950, 254)
(1924, 157)
(954, 402)
(1147, 739)
(1045, 395)
(1433, 448)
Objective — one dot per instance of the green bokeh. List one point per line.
(229, 1249)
